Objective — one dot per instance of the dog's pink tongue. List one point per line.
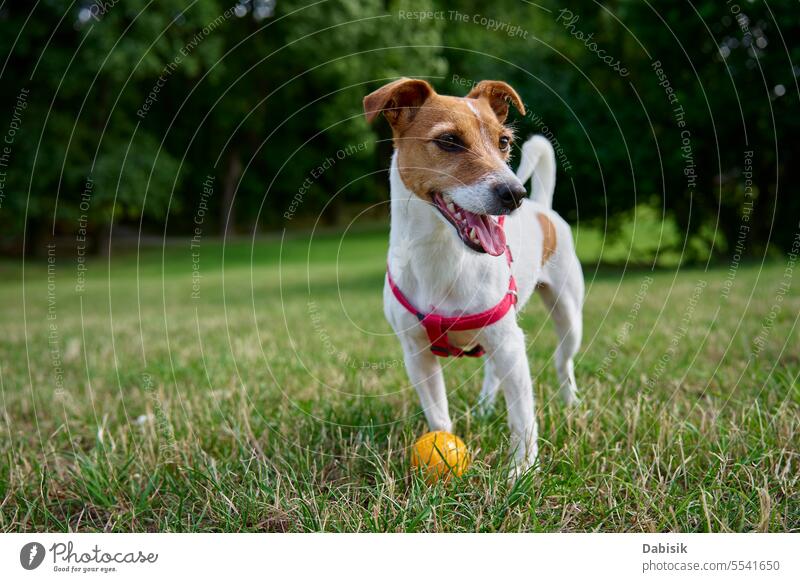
(490, 234)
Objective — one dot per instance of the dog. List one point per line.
(465, 239)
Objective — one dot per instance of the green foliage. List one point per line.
(260, 99)
(128, 173)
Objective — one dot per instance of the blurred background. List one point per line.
(126, 119)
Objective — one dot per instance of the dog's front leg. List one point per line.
(425, 374)
(491, 384)
(510, 364)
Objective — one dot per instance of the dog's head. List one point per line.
(453, 152)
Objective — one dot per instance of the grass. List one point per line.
(277, 401)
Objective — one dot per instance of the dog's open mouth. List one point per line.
(480, 232)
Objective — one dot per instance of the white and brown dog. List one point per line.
(450, 186)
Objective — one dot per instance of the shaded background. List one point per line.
(145, 101)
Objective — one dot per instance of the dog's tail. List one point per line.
(539, 160)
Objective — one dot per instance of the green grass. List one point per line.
(277, 401)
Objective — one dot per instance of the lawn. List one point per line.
(268, 394)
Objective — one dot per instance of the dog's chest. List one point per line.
(464, 340)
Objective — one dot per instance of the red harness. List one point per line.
(437, 326)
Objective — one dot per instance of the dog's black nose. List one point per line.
(509, 195)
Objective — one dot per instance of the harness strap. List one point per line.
(437, 326)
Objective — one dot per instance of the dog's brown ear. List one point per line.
(498, 94)
(398, 100)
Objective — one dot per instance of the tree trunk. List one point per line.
(103, 240)
(232, 175)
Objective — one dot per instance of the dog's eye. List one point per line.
(450, 142)
(504, 143)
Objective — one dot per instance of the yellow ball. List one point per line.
(440, 455)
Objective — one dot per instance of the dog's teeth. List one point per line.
(473, 235)
(458, 216)
(451, 207)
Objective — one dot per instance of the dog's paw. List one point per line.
(569, 396)
(485, 408)
(523, 466)
(520, 473)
